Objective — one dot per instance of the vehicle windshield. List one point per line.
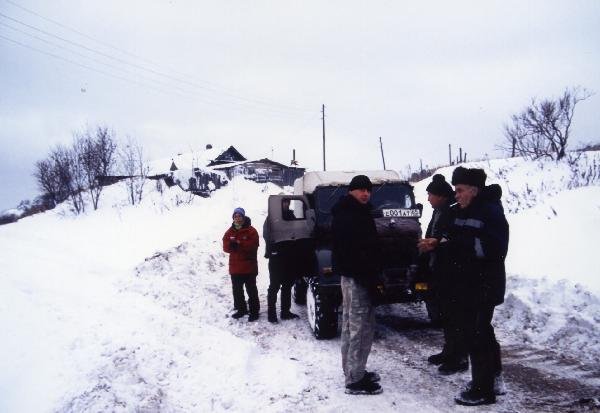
(384, 196)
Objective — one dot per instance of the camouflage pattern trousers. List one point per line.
(358, 328)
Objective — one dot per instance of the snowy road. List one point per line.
(537, 380)
(136, 318)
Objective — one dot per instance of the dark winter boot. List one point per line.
(474, 398)
(372, 376)
(288, 315)
(364, 386)
(455, 365)
(253, 317)
(239, 314)
(499, 386)
(437, 359)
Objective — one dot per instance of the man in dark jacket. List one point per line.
(285, 266)
(355, 259)
(477, 242)
(453, 357)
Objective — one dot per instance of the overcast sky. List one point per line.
(180, 74)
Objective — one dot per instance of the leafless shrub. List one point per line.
(68, 172)
(95, 151)
(134, 166)
(542, 130)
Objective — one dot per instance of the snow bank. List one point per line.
(556, 315)
(125, 308)
(553, 209)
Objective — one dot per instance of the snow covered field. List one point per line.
(126, 308)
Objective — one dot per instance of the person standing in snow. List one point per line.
(241, 243)
(477, 243)
(284, 267)
(445, 300)
(355, 258)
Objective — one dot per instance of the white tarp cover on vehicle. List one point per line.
(311, 180)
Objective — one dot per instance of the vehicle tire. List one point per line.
(299, 291)
(322, 313)
(433, 311)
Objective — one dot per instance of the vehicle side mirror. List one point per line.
(419, 206)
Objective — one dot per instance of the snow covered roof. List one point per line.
(185, 161)
(312, 179)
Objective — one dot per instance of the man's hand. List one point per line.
(427, 244)
(233, 243)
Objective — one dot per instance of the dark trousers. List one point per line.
(484, 350)
(453, 313)
(239, 302)
(279, 279)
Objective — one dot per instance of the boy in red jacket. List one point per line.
(241, 243)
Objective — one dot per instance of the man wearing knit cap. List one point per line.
(241, 243)
(476, 244)
(355, 259)
(443, 304)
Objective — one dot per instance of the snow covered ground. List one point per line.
(126, 308)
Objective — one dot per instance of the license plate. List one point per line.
(411, 213)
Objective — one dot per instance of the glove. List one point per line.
(233, 245)
(377, 294)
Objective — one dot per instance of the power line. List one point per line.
(177, 91)
(155, 72)
(84, 56)
(170, 88)
(82, 65)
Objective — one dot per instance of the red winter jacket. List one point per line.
(242, 245)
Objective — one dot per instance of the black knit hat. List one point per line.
(472, 176)
(360, 182)
(440, 187)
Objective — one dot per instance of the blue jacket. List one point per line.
(475, 247)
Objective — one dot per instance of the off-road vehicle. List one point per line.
(397, 220)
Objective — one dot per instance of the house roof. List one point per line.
(229, 155)
(184, 161)
(263, 160)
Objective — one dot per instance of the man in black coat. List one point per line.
(453, 357)
(287, 259)
(355, 259)
(477, 243)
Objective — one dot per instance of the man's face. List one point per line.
(436, 201)
(238, 219)
(465, 194)
(361, 195)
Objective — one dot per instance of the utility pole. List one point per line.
(450, 153)
(382, 157)
(323, 111)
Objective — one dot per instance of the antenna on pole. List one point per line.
(323, 118)
(382, 157)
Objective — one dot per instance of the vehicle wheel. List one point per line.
(322, 314)
(433, 311)
(299, 291)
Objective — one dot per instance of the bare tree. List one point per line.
(95, 153)
(134, 166)
(46, 180)
(543, 128)
(77, 176)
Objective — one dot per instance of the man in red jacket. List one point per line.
(241, 243)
